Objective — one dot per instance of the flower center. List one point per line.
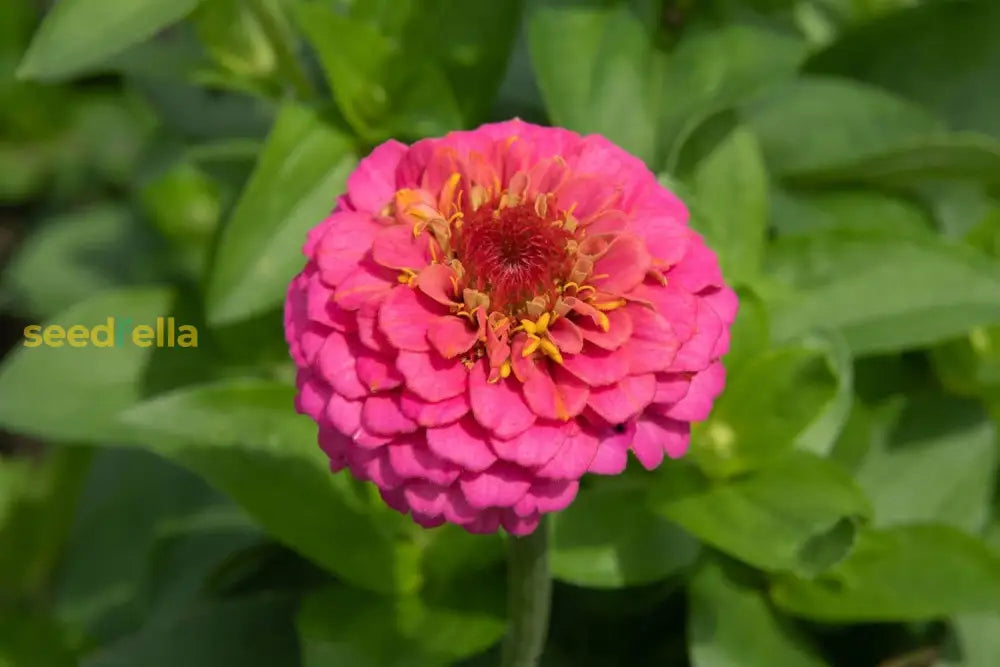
(512, 253)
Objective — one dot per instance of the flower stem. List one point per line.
(529, 597)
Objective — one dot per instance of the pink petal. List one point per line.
(697, 403)
(654, 435)
(567, 336)
(671, 387)
(377, 372)
(367, 324)
(436, 281)
(411, 458)
(345, 415)
(696, 353)
(574, 457)
(724, 302)
(519, 525)
(366, 281)
(382, 415)
(337, 366)
(365, 439)
(395, 247)
(499, 406)
(373, 466)
(619, 331)
(534, 447)
(547, 496)
(426, 498)
(562, 397)
(612, 452)
(699, 268)
(622, 266)
(667, 241)
(678, 308)
(404, 318)
(502, 485)
(620, 402)
(464, 442)
(372, 184)
(485, 523)
(313, 394)
(335, 445)
(451, 336)
(431, 377)
(434, 414)
(598, 367)
(347, 238)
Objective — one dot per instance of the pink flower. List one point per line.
(487, 316)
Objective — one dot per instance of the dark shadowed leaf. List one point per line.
(771, 518)
(914, 572)
(245, 438)
(608, 539)
(731, 623)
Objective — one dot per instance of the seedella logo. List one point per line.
(115, 332)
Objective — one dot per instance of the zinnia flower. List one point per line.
(487, 316)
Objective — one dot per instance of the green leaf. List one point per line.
(382, 88)
(900, 51)
(813, 124)
(346, 626)
(37, 503)
(883, 292)
(751, 333)
(797, 213)
(253, 631)
(299, 174)
(74, 393)
(75, 255)
(607, 539)
(595, 66)
(712, 70)
(245, 438)
(764, 409)
(970, 365)
(936, 465)
(978, 638)
(821, 435)
(914, 572)
(34, 639)
(731, 189)
(127, 499)
(771, 518)
(67, 44)
(971, 157)
(730, 623)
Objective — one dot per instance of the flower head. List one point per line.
(487, 316)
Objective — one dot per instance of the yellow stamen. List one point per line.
(609, 305)
(505, 369)
(533, 343)
(550, 349)
(407, 277)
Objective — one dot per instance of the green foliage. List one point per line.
(167, 506)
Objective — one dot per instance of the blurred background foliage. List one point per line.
(166, 157)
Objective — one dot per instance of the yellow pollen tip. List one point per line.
(505, 369)
(550, 349)
(609, 305)
(604, 321)
(533, 343)
(543, 322)
(529, 326)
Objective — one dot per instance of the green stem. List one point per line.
(529, 597)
